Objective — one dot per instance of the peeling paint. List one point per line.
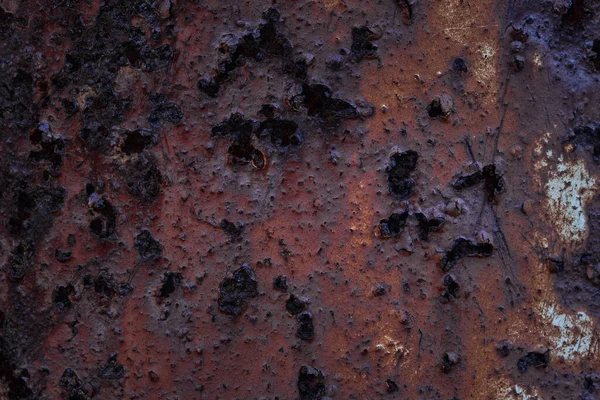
(576, 333)
(568, 191)
(307, 223)
(516, 392)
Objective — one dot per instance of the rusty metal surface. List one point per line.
(315, 199)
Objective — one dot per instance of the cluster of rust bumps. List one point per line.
(84, 90)
(33, 198)
(93, 64)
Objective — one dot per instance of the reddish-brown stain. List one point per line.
(127, 217)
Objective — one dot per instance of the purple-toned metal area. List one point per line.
(331, 199)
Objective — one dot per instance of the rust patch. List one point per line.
(209, 200)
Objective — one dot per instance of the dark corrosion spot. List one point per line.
(269, 41)
(466, 181)
(148, 187)
(503, 348)
(18, 109)
(400, 184)
(33, 208)
(243, 154)
(306, 329)
(586, 259)
(587, 136)
(391, 386)
(235, 127)
(380, 289)
(105, 225)
(15, 383)
(494, 182)
(518, 33)
(61, 296)
(295, 305)
(362, 46)
(281, 132)
(112, 369)
(555, 264)
(463, 247)
(517, 62)
(88, 281)
(596, 54)
(449, 360)
(149, 249)
(264, 263)
(105, 284)
(97, 226)
(89, 189)
(452, 286)
(392, 226)
(271, 15)
(70, 382)
(95, 136)
(460, 65)
(264, 42)
(147, 58)
(20, 260)
(427, 225)
(153, 376)
(311, 383)
(575, 12)
(533, 359)
(441, 107)
(280, 283)
(319, 103)
(103, 110)
(170, 281)
(434, 109)
(18, 384)
(210, 87)
(589, 385)
(62, 255)
(268, 110)
(138, 140)
(142, 176)
(241, 130)
(46, 146)
(236, 290)
(297, 68)
(164, 110)
(232, 230)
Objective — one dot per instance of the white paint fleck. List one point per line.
(516, 392)
(393, 351)
(537, 60)
(574, 336)
(487, 51)
(568, 190)
(486, 65)
(568, 187)
(539, 145)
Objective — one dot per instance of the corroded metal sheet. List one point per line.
(317, 199)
